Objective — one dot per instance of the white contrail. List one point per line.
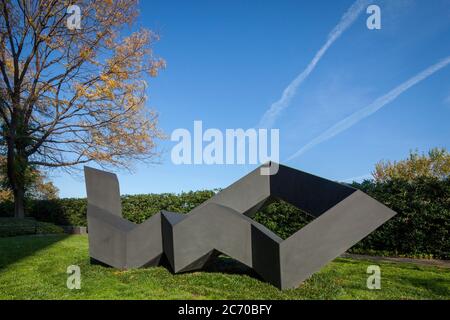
(346, 21)
(371, 108)
(357, 178)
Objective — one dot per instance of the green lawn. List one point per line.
(34, 267)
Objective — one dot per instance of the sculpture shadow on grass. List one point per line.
(228, 265)
(342, 217)
(217, 263)
(27, 246)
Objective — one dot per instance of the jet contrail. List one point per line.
(346, 21)
(357, 178)
(371, 108)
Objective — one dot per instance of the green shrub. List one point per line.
(422, 225)
(282, 218)
(66, 212)
(10, 227)
(136, 208)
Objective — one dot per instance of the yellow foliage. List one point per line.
(434, 164)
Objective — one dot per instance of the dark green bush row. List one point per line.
(10, 227)
(136, 208)
(282, 218)
(422, 227)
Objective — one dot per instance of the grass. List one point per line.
(34, 267)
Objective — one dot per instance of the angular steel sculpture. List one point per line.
(223, 224)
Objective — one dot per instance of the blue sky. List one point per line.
(229, 61)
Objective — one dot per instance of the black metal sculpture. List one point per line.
(222, 224)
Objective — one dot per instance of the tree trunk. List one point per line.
(16, 164)
(19, 211)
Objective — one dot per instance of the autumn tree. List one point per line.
(69, 96)
(435, 164)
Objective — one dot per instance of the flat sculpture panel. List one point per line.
(114, 240)
(343, 216)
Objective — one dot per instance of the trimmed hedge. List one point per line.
(136, 208)
(10, 227)
(282, 218)
(421, 228)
